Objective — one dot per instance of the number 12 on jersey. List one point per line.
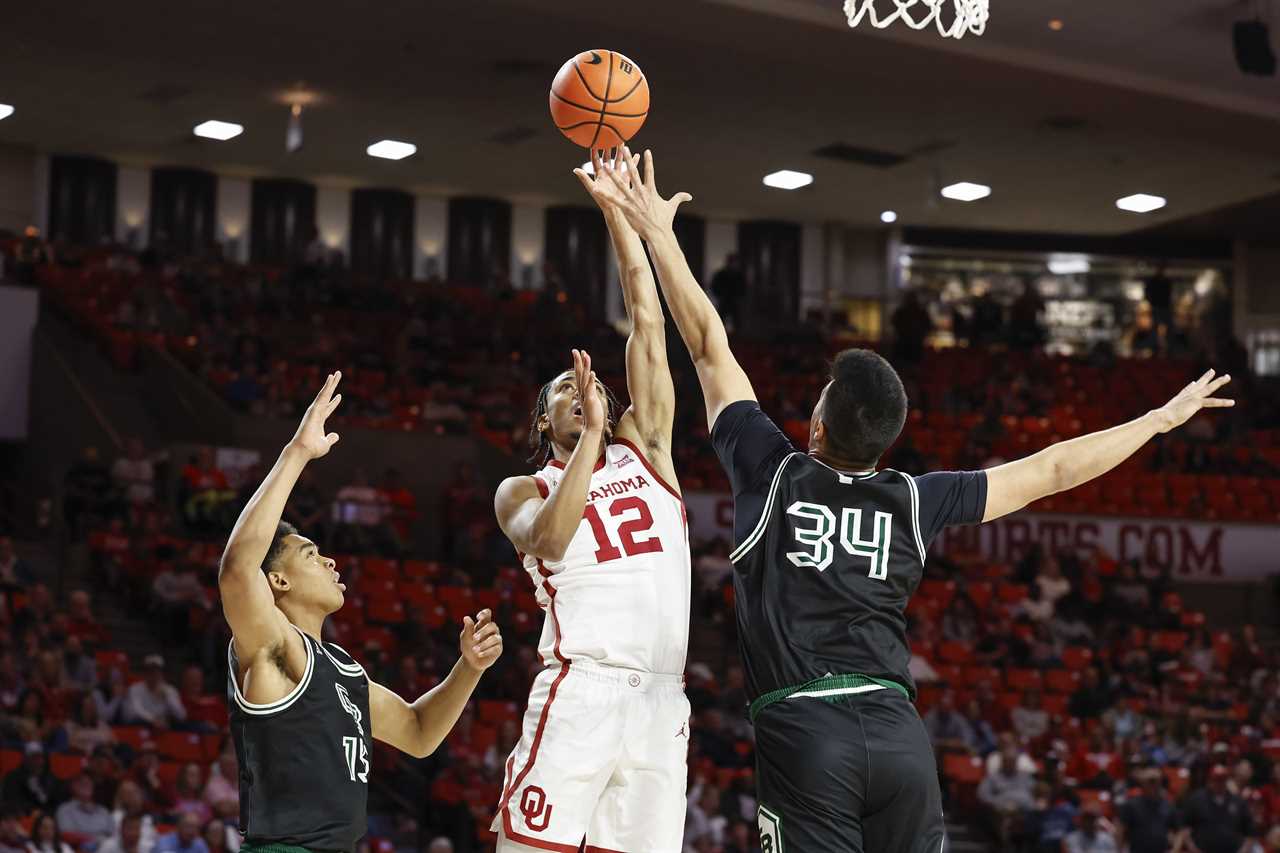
(817, 535)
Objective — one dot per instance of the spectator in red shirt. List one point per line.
(205, 491)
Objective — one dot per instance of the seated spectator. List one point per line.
(205, 491)
(440, 845)
(185, 839)
(12, 837)
(1092, 698)
(360, 514)
(713, 567)
(134, 475)
(82, 816)
(46, 836)
(222, 791)
(88, 496)
(219, 837)
(104, 769)
(26, 722)
(128, 839)
(32, 786)
(186, 797)
(1029, 719)
(308, 509)
(703, 820)
(1219, 821)
(1148, 821)
(947, 727)
(1055, 818)
(131, 805)
(15, 573)
(80, 667)
(174, 592)
(86, 730)
(109, 696)
(1093, 836)
(984, 739)
(1050, 581)
(1008, 749)
(152, 701)
(1008, 794)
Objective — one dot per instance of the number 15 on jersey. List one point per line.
(817, 533)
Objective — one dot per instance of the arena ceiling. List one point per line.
(1141, 96)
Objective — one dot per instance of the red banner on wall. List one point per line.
(1191, 550)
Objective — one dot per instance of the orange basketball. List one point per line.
(599, 99)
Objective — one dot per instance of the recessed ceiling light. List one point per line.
(965, 191)
(219, 130)
(1140, 203)
(888, 217)
(5, 111)
(786, 179)
(1068, 264)
(1055, 24)
(389, 149)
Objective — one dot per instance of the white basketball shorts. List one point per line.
(603, 757)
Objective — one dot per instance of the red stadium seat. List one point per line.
(387, 611)
(1062, 680)
(109, 659)
(132, 736)
(65, 766)
(976, 675)
(954, 652)
(936, 590)
(963, 769)
(1099, 799)
(1177, 779)
(9, 761)
(1012, 593)
(181, 746)
(979, 593)
(1077, 657)
(1055, 703)
(1023, 679)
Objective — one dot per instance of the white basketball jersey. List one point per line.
(620, 596)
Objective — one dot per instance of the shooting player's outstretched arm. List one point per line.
(1068, 464)
(722, 378)
(541, 523)
(648, 421)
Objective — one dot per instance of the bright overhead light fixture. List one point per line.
(389, 149)
(5, 111)
(786, 179)
(888, 217)
(1141, 203)
(965, 191)
(219, 130)
(1069, 264)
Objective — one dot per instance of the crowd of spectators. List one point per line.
(1088, 712)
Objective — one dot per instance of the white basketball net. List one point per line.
(970, 15)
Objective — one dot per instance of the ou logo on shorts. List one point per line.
(534, 805)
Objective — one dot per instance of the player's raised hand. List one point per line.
(598, 186)
(1191, 399)
(311, 438)
(647, 211)
(481, 641)
(589, 398)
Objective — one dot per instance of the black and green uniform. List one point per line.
(825, 562)
(305, 759)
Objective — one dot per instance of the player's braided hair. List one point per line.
(538, 438)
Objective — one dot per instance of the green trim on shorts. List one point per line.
(273, 848)
(833, 685)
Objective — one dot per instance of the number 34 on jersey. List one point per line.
(815, 528)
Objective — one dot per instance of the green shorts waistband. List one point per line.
(274, 848)
(828, 688)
